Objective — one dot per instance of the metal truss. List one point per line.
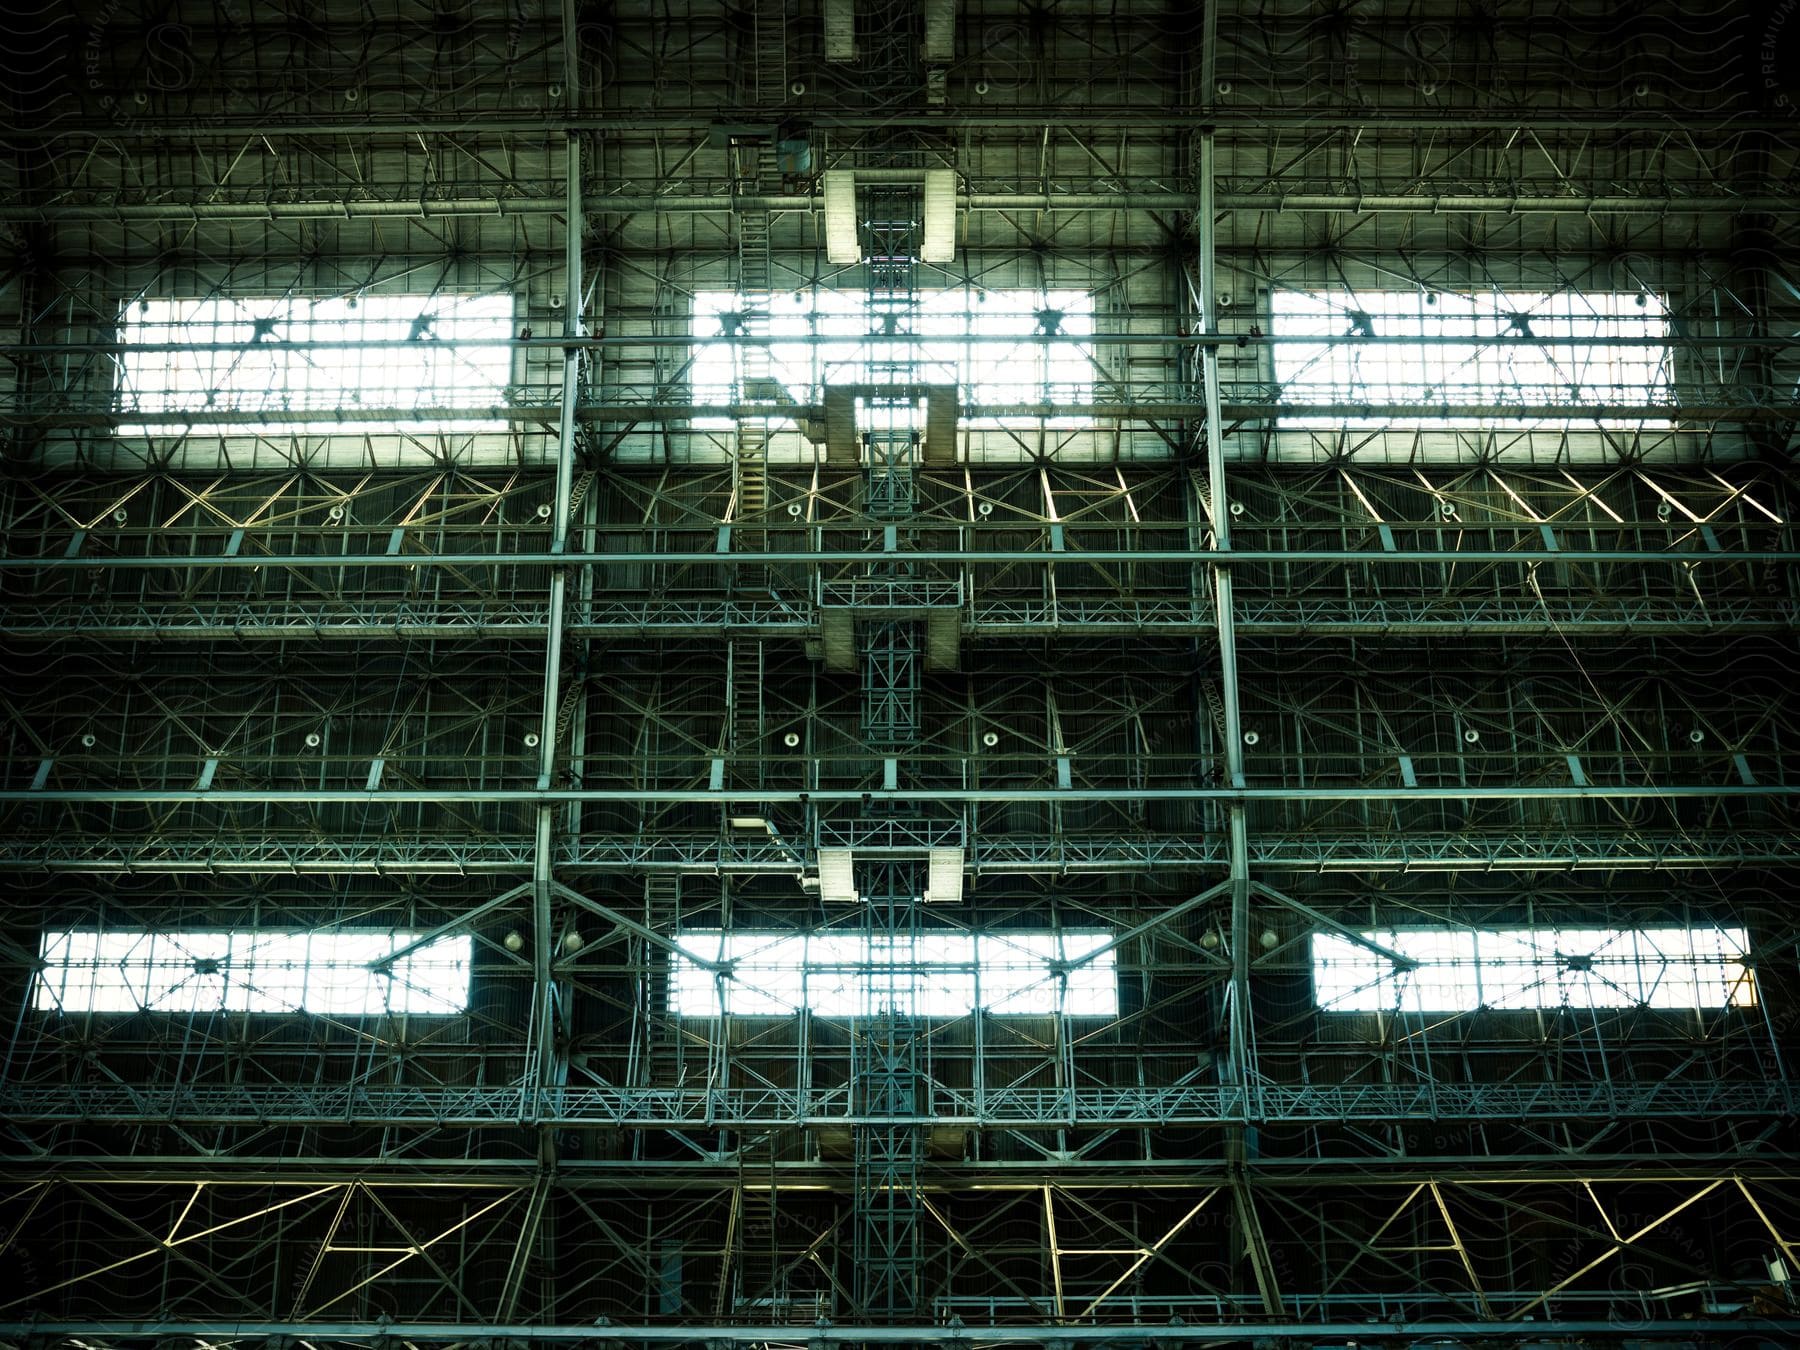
(986, 617)
(1332, 1164)
(1073, 852)
(1578, 790)
(1746, 1333)
(710, 198)
(991, 556)
(1205, 660)
(772, 1107)
(888, 1095)
(1336, 118)
(1244, 405)
(890, 593)
(1603, 1221)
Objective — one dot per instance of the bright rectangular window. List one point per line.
(225, 361)
(848, 974)
(1463, 969)
(1590, 350)
(959, 336)
(333, 971)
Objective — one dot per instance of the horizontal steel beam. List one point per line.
(86, 1163)
(320, 421)
(247, 852)
(552, 124)
(1770, 1330)
(992, 620)
(934, 796)
(250, 629)
(112, 1101)
(652, 341)
(622, 204)
(1299, 557)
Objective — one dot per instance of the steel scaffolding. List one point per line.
(1329, 476)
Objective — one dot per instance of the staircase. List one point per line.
(663, 1056)
(662, 902)
(753, 229)
(758, 1249)
(752, 475)
(752, 448)
(771, 49)
(759, 75)
(746, 711)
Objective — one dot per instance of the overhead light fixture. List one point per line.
(841, 244)
(749, 823)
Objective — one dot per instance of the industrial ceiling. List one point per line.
(979, 672)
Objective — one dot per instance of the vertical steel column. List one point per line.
(888, 1145)
(541, 1070)
(892, 437)
(1241, 1043)
(890, 648)
(885, 1079)
(890, 475)
(890, 680)
(1219, 508)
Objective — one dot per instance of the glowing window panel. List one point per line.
(1461, 970)
(847, 974)
(823, 338)
(252, 971)
(1459, 366)
(234, 367)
